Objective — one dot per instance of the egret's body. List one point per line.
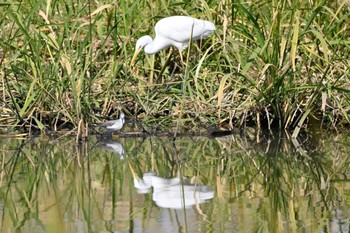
(175, 31)
(113, 125)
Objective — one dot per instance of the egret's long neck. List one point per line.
(157, 45)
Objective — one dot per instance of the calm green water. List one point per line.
(236, 183)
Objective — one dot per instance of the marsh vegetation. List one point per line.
(65, 65)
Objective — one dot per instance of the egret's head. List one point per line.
(140, 44)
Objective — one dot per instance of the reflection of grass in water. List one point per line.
(285, 184)
(265, 183)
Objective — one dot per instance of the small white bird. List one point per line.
(113, 125)
(175, 31)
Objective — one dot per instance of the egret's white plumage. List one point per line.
(174, 31)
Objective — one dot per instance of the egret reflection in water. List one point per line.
(174, 193)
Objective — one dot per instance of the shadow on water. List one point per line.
(235, 183)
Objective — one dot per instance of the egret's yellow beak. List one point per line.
(134, 57)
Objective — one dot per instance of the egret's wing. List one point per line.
(202, 29)
(180, 29)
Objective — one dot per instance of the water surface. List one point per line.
(237, 183)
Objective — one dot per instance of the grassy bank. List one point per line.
(269, 63)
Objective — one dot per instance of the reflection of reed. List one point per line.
(280, 170)
(270, 185)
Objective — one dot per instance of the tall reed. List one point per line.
(269, 63)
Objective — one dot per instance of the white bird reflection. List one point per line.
(174, 193)
(113, 146)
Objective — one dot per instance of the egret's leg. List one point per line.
(166, 65)
(152, 71)
(176, 64)
(173, 72)
(183, 72)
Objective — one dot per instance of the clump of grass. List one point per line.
(270, 63)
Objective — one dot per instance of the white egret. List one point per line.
(175, 31)
(113, 125)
